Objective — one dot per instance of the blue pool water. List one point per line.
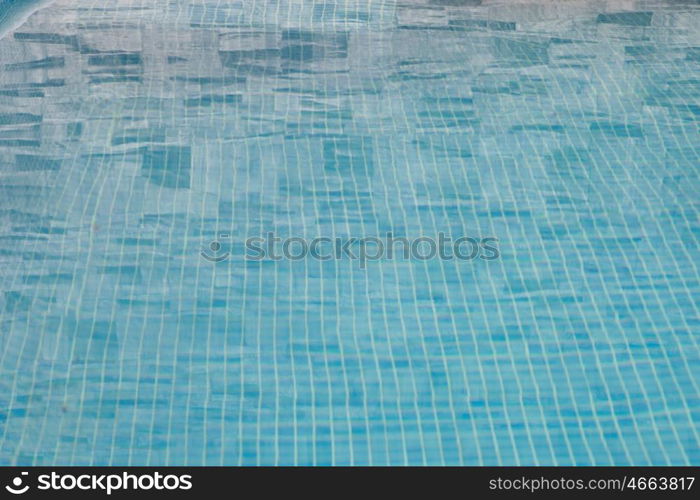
(136, 133)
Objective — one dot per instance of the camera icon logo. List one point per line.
(16, 487)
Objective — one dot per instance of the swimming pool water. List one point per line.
(134, 133)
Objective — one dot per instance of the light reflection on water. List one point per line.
(134, 135)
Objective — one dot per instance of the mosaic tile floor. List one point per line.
(134, 134)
